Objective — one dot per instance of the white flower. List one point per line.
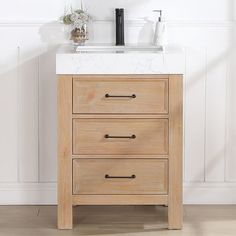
(84, 17)
(78, 23)
(77, 18)
(74, 17)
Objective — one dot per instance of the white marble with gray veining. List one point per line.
(168, 61)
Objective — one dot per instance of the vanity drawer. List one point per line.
(130, 95)
(120, 176)
(120, 136)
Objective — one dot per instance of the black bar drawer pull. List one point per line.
(120, 177)
(120, 96)
(128, 137)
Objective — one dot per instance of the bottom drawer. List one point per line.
(120, 176)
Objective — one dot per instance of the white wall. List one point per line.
(29, 38)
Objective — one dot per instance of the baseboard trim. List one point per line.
(46, 193)
(28, 193)
(210, 193)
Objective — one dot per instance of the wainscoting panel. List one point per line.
(9, 106)
(28, 114)
(216, 115)
(231, 114)
(47, 115)
(195, 82)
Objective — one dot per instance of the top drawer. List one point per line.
(120, 95)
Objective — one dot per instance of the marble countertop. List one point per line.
(171, 60)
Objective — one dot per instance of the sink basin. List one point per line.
(118, 49)
(128, 59)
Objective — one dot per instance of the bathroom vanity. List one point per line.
(120, 129)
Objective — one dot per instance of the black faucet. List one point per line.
(120, 35)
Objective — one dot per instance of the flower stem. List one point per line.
(82, 5)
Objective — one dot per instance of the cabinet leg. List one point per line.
(64, 152)
(65, 217)
(175, 217)
(175, 152)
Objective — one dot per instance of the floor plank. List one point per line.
(214, 220)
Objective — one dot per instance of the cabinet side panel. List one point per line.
(176, 151)
(64, 152)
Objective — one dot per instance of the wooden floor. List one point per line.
(117, 220)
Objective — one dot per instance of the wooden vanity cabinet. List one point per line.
(120, 143)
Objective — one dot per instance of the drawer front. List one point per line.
(120, 136)
(120, 96)
(120, 176)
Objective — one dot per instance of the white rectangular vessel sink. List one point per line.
(118, 49)
(129, 59)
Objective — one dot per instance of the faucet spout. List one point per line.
(120, 35)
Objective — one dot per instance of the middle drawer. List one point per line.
(120, 136)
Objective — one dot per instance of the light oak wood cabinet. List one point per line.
(120, 143)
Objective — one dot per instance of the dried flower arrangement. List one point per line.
(78, 19)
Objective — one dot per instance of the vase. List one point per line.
(79, 35)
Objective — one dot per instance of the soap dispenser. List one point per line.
(160, 31)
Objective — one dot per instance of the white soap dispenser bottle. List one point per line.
(160, 31)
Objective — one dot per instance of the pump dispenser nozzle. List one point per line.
(160, 15)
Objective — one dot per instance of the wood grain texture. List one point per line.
(95, 156)
(199, 220)
(175, 213)
(121, 116)
(120, 77)
(89, 95)
(120, 199)
(83, 137)
(64, 152)
(150, 176)
(151, 136)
